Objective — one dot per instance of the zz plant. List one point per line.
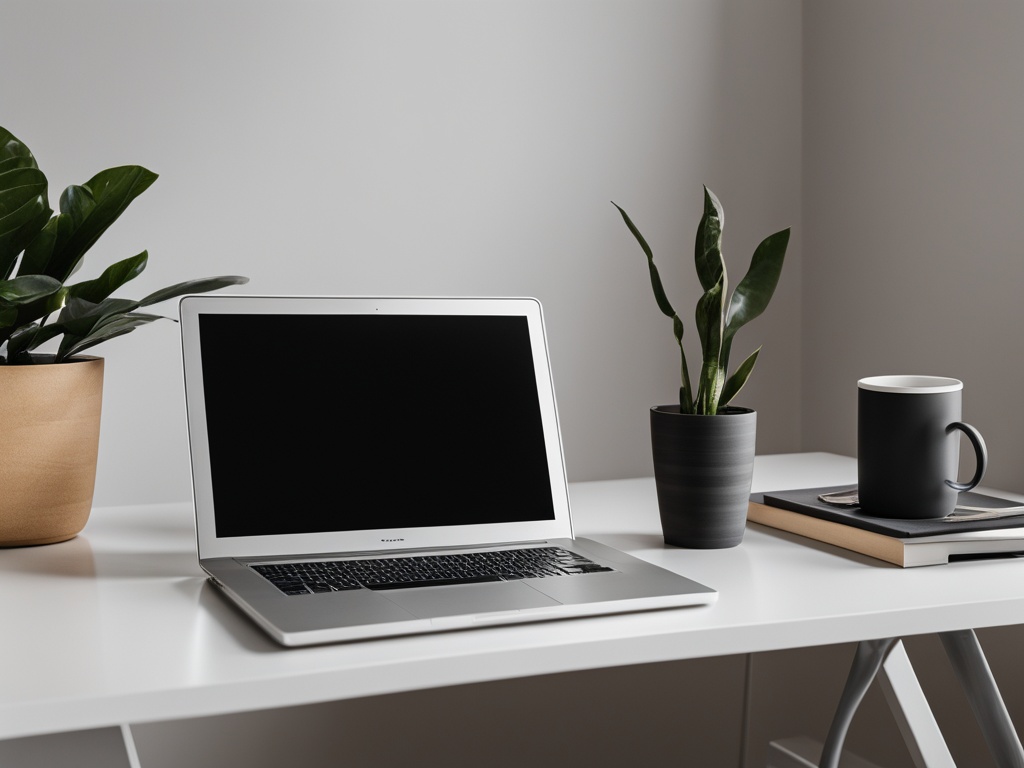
(40, 251)
(718, 316)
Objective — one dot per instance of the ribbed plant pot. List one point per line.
(49, 440)
(703, 467)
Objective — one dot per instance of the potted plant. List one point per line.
(703, 447)
(50, 401)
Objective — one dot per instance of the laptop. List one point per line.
(366, 467)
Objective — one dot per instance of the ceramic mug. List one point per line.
(908, 447)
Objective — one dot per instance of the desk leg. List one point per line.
(129, 747)
(866, 663)
(975, 676)
(913, 715)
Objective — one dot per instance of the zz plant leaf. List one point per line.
(40, 251)
(718, 315)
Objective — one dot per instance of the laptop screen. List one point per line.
(351, 422)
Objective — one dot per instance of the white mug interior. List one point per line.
(911, 384)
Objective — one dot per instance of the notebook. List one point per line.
(366, 467)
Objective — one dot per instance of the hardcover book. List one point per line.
(906, 543)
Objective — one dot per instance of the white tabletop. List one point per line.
(119, 625)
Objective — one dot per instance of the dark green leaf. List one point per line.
(708, 248)
(659, 290)
(26, 289)
(738, 379)
(685, 392)
(709, 328)
(39, 252)
(22, 340)
(202, 285)
(709, 321)
(14, 154)
(113, 277)
(755, 290)
(23, 212)
(80, 317)
(85, 213)
(73, 345)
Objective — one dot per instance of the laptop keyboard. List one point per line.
(426, 571)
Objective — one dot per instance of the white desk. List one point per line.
(119, 626)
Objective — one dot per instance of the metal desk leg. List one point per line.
(866, 663)
(913, 715)
(975, 676)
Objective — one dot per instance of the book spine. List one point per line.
(865, 542)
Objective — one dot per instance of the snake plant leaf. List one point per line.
(709, 329)
(119, 326)
(202, 285)
(708, 318)
(113, 277)
(738, 379)
(755, 290)
(708, 248)
(659, 290)
(24, 210)
(685, 392)
(86, 212)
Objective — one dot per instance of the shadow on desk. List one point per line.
(76, 558)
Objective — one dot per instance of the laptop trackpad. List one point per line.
(431, 602)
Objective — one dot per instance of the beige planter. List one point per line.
(49, 438)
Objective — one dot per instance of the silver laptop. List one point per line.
(365, 467)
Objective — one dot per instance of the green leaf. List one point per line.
(24, 211)
(39, 252)
(113, 277)
(685, 392)
(755, 290)
(14, 154)
(202, 285)
(73, 345)
(708, 318)
(709, 328)
(22, 340)
(86, 212)
(26, 289)
(708, 247)
(738, 379)
(79, 317)
(659, 290)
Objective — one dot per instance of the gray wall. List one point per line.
(473, 147)
(449, 146)
(913, 234)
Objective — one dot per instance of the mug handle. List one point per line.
(980, 452)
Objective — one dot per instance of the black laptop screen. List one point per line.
(358, 422)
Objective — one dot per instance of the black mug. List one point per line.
(908, 451)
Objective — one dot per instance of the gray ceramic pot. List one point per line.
(703, 466)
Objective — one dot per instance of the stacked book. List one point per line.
(975, 534)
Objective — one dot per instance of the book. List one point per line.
(906, 543)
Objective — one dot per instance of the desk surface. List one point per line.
(119, 625)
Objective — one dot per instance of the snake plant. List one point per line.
(718, 315)
(40, 251)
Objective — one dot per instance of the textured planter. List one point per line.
(49, 438)
(703, 466)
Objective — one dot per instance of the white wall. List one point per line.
(444, 146)
(913, 190)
